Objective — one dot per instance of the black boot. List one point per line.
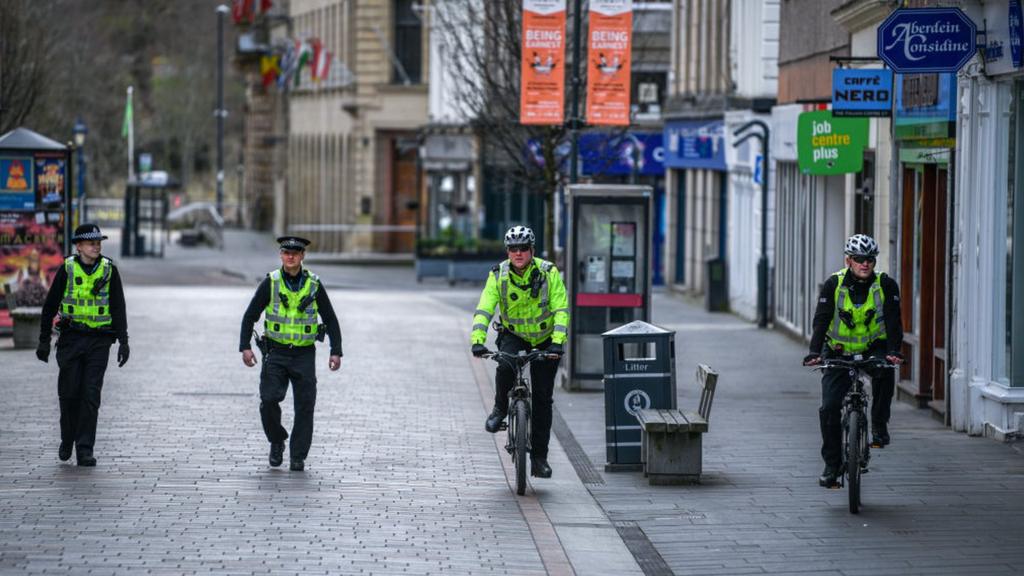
(64, 452)
(276, 453)
(85, 457)
(880, 436)
(495, 421)
(539, 467)
(829, 477)
(297, 465)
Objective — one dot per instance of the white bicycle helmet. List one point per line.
(861, 245)
(519, 236)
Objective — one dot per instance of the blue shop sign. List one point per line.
(603, 154)
(917, 40)
(861, 92)
(696, 144)
(615, 155)
(1016, 32)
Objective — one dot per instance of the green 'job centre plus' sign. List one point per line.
(828, 145)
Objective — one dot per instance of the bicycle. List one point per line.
(856, 451)
(519, 408)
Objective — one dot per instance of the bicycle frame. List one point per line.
(857, 398)
(521, 389)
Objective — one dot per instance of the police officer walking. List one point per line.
(290, 299)
(88, 295)
(858, 313)
(534, 313)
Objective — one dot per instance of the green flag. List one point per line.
(127, 125)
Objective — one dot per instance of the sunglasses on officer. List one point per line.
(517, 249)
(863, 259)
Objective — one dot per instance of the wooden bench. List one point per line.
(671, 448)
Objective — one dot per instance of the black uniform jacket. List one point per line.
(859, 290)
(118, 321)
(262, 297)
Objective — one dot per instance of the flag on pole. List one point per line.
(304, 52)
(318, 49)
(126, 125)
(269, 69)
(323, 65)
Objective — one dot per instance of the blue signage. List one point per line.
(861, 92)
(603, 154)
(1016, 32)
(696, 144)
(918, 40)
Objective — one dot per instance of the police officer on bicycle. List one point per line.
(858, 312)
(534, 313)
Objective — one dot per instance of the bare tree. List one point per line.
(482, 43)
(22, 59)
(482, 39)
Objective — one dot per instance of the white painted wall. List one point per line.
(754, 47)
(744, 216)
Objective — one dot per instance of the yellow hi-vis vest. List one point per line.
(283, 321)
(868, 320)
(534, 319)
(87, 296)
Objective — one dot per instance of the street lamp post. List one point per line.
(80, 130)
(220, 112)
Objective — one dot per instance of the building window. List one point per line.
(408, 54)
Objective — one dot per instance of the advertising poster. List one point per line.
(30, 254)
(542, 85)
(827, 145)
(17, 183)
(608, 74)
(49, 180)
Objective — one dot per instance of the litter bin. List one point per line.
(639, 373)
(716, 285)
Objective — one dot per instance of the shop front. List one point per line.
(986, 388)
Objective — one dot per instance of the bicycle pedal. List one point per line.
(503, 426)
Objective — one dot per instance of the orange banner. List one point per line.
(542, 82)
(611, 32)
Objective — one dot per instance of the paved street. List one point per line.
(402, 479)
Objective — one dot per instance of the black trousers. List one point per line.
(280, 366)
(834, 386)
(82, 359)
(542, 382)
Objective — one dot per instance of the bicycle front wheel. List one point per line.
(519, 439)
(854, 458)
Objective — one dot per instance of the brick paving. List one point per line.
(935, 501)
(400, 478)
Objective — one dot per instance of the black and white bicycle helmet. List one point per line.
(519, 236)
(861, 245)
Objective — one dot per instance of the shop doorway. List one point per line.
(922, 266)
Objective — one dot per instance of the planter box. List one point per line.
(457, 267)
(431, 266)
(26, 326)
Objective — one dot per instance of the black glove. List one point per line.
(811, 358)
(479, 350)
(122, 354)
(556, 349)
(43, 351)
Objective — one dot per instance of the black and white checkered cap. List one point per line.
(293, 243)
(87, 232)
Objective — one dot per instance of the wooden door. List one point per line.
(404, 192)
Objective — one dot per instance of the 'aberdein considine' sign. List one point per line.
(916, 40)
(863, 92)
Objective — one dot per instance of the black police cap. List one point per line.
(87, 232)
(293, 243)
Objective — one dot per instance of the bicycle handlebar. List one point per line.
(870, 362)
(519, 359)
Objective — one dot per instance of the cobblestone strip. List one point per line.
(548, 545)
